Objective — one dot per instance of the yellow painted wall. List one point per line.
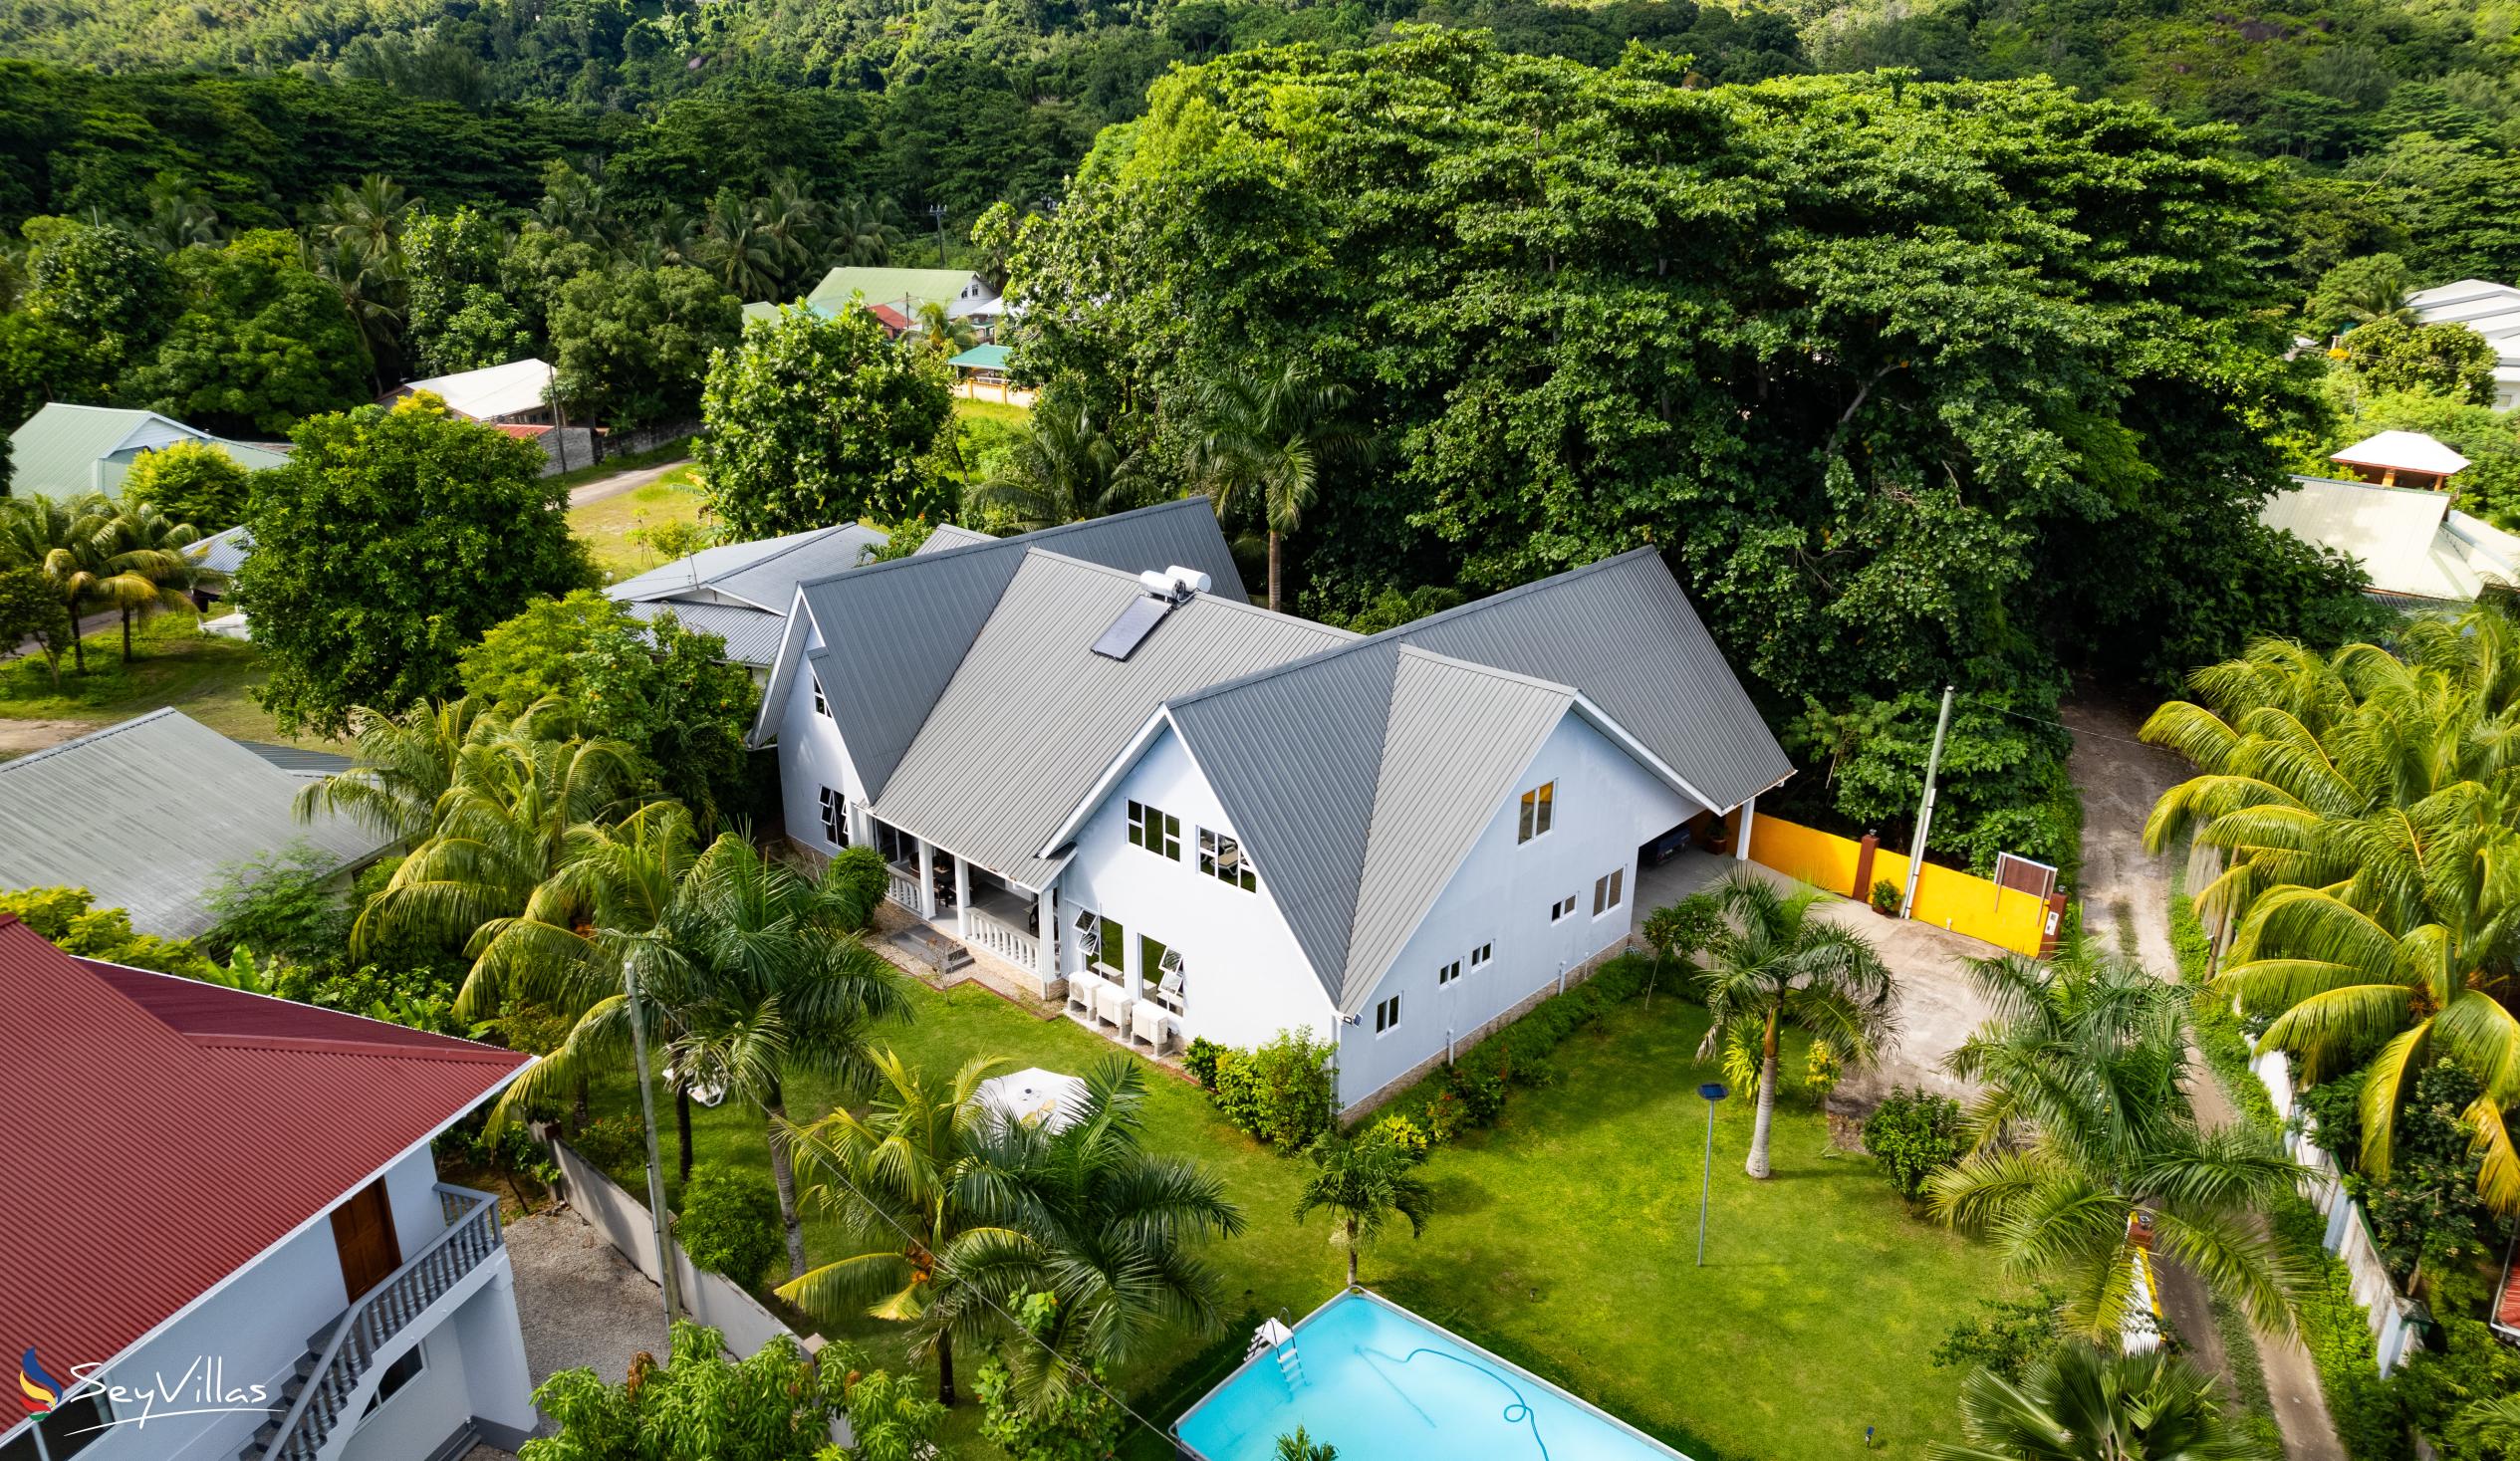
(1957, 900)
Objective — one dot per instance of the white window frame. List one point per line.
(1479, 956)
(822, 702)
(1448, 973)
(1562, 909)
(384, 1397)
(1166, 833)
(1609, 891)
(1211, 849)
(835, 808)
(1538, 814)
(1386, 1016)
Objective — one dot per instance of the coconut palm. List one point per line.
(749, 973)
(940, 333)
(908, 1177)
(77, 546)
(1363, 1182)
(499, 831)
(1062, 468)
(402, 765)
(861, 233)
(147, 566)
(2085, 1151)
(2425, 976)
(1268, 436)
(738, 245)
(2087, 1405)
(367, 221)
(1772, 963)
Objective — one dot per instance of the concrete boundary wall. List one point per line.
(2391, 1314)
(706, 1297)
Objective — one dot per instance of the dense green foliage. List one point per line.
(815, 421)
(729, 1222)
(777, 1405)
(1282, 1090)
(67, 916)
(1911, 384)
(191, 482)
(386, 546)
(630, 345)
(1914, 1134)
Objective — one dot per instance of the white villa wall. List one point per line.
(256, 1326)
(1245, 979)
(811, 753)
(1605, 807)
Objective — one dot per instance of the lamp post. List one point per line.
(1714, 1092)
(938, 212)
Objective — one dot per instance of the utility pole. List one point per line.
(1924, 808)
(656, 1169)
(938, 212)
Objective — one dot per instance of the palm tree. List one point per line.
(1062, 468)
(942, 334)
(2087, 1405)
(1298, 1446)
(910, 1177)
(1772, 962)
(365, 289)
(367, 221)
(402, 766)
(78, 547)
(861, 233)
(737, 246)
(791, 216)
(1362, 1182)
(499, 831)
(2087, 1152)
(147, 566)
(2342, 968)
(1269, 436)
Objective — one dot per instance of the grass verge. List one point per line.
(206, 677)
(606, 524)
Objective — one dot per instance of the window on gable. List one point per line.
(1222, 857)
(1606, 890)
(835, 818)
(1386, 1015)
(1561, 908)
(1480, 955)
(821, 706)
(1155, 829)
(1448, 973)
(1539, 807)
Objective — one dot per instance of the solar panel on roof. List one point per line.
(1130, 630)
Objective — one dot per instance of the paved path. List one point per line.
(2127, 890)
(620, 482)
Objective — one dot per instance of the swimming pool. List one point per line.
(1381, 1384)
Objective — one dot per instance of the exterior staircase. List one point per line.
(313, 1402)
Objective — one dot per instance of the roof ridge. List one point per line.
(1028, 540)
(1455, 661)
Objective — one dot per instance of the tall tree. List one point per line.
(1773, 963)
(1264, 439)
(147, 564)
(1062, 467)
(632, 346)
(261, 343)
(389, 542)
(816, 420)
(2087, 1150)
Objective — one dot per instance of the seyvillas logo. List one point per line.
(38, 1389)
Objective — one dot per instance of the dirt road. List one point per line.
(619, 483)
(2127, 890)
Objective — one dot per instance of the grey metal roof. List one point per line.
(65, 449)
(763, 575)
(951, 535)
(297, 760)
(1623, 633)
(752, 635)
(902, 627)
(1032, 717)
(147, 815)
(223, 553)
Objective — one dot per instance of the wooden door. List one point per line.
(363, 1233)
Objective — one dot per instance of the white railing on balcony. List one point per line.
(902, 888)
(1004, 939)
(471, 1234)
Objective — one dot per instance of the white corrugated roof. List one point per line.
(2398, 534)
(492, 392)
(2408, 452)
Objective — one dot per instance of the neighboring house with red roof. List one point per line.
(222, 1219)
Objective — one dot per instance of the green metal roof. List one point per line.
(889, 286)
(63, 451)
(982, 357)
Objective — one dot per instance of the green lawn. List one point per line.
(606, 524)
(1565, 1241)
(204, 676)
(1003, 412)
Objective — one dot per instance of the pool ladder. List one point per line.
(1290, 1364)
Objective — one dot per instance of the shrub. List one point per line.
(1079, 1423)
(1200, 1060)
(1884, 896)
(284, 904)
(1477, 1081)
(64, 916)
(2014, 1334)
(1914, 1134)
(2437, 1386)
(417, 999)
(859, 874)
(2367, 1410)
(1406, 1134)
(611, 1142)
(1282, 1093)
(730, 1223)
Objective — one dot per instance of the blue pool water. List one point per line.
(1381, 1384)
